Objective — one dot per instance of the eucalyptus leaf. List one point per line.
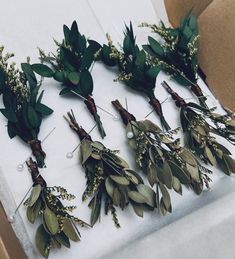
(51, 221)
(137, 197)
(42, 239)
(148, 193)
(35, 193)
(120, 180)
(69, 230)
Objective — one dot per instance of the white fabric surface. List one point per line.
(27, 24)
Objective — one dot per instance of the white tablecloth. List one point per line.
(199, 227)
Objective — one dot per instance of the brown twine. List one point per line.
(37, 148)
(36, 177)
(90, 103)
(125, 115)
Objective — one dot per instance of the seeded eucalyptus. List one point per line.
(57, 226)
(22, 104)
(198, 134)
(165, 162)
(177, 56)
(135, 70)
(70, 66)
(109, 179)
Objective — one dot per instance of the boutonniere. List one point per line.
(177, 54)
(57, 226)
(109, 179)
(135, 70)
(23, 107)
(199, 134)
(71, 66)
(163, 160)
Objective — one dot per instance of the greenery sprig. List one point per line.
(70, 66)
(109, 179)
(199, 134)
(23, 107)
(57, 226)
(161, 157)
(135, 70)
(177, 55)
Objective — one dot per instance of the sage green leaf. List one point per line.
(148, 193)
(223, 164)
(167, 175)
(116, 197)
(35, 193)
(32, 212)
(179, 173)
(98, 145)
(209, 155)
(165, 196)
(96, 155)
(230, 162)
(156, 47)
(120, 180)
(138, 209)
(148, 125)
(188, 157)
(162, 207)
(193, 171)
(86, 150)
(231, 123)
(140, 180)
(69, 230)
(109, 187)
(42, 70)
(133, 127)
(42, 240)
(132, 144)
(74, 77)
(51, 221)
(95, 212)
(152, 174)
(177, 185)
(33, 117)
(62, 239)
(132, 177)
(43, 109)
(137, 197)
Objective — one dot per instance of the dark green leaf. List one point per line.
(64, 91)
(42, 70)
(74, 77)
(27, 69)
(59, 76)
(95, 213)
(179, 173)
(43, 109)
(156, 47)
(153, 71)
(33, 117)
(86, 83)
(9, 114)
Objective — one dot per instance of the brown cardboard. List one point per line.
(10, 247)
(217, 42)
